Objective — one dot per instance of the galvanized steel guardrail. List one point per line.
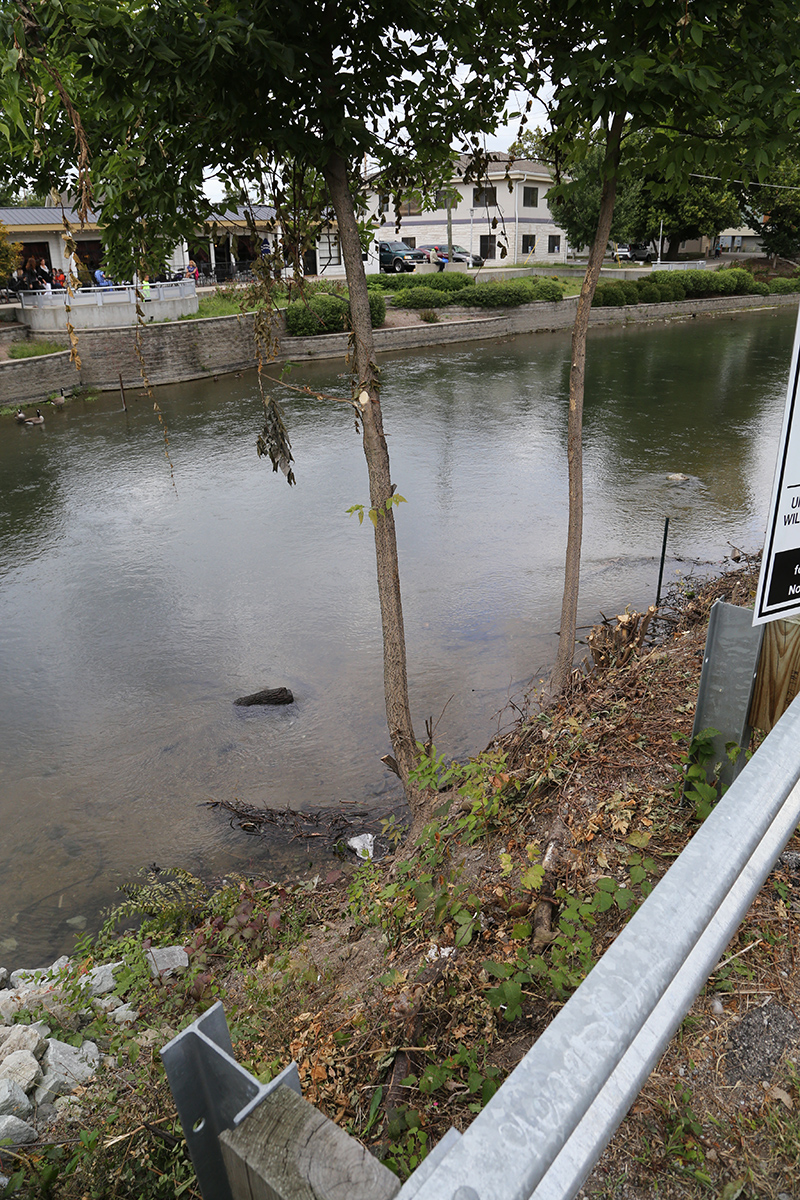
(543, 1130)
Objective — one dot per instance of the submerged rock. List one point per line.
(280, 695)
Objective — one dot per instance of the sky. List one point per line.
(499, 141)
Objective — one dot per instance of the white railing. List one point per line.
(101, 296)
(699, 265)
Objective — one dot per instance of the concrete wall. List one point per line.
(106, 308)
(184, 350)
(32, 380)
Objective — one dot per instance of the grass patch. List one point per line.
(34, 349)
(222, 304)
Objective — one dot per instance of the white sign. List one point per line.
(778, 592)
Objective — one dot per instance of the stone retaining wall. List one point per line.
(12, 333)
(32, 380)
(196, 349)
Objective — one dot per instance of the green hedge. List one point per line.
(439, 282)
(669, 284)
(501, 295)
(426, 294)
(329, 314)
(781, 286)
(661, 286)
(377, 307)
(423, 297)
(546, 289)
(609, 294)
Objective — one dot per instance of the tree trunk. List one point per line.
(395, 678)
(572, 569)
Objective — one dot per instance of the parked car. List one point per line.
(633, 252)
(460, 253)
(397, 257)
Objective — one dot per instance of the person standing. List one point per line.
(73, 271)
(30, 278)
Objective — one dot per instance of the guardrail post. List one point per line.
(300, 1154)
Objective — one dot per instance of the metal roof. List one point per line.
(42, 218)
(24, 220)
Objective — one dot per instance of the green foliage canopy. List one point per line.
(774, 210)
(163, 95)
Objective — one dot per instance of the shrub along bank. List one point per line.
(661, 286)
(438, 291)
(328, 311)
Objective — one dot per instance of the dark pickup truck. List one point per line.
(397, 257)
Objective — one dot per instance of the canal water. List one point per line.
(138, 600)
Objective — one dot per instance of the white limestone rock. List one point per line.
(70, 1106)
(17, 1132)
(101, 978)
(106, 1004)
(46, 998)
(13, 1101)
(52, 1086)
(10, 1004)
(3, 977)
(22, 1037)
(33, 978)
(23, 1068)
(125, 1015)
(165, 961)
(75, 1064)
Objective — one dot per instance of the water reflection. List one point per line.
(136, 609)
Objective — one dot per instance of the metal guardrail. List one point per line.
(543, 1130)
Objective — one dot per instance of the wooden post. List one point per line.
(778, 677)
(287, 1150)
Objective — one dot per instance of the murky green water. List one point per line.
(135, 609)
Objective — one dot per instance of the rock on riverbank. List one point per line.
(40, 1073)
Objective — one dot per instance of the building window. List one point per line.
(554, 243)
(528, 243)
(484, 197)
(444, 195)
(530, 197)
(411, 207)
(383, 204)
(329, 251)
(410, 242)
(488, 246)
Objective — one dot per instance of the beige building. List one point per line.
(505, 209)
(226, 241)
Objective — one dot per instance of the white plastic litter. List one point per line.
(363, 844)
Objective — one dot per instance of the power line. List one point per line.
(782, 187)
